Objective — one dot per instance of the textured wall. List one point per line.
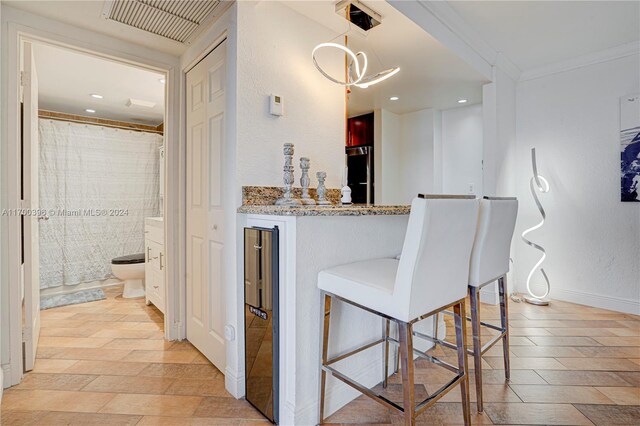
(592, 239)
(274, 56)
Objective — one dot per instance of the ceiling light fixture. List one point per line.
(394, 98)
(359, 80)
(462, 101)
(92, 111)
(95, 95)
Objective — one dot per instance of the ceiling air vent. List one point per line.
(177, 20)
(358, 14)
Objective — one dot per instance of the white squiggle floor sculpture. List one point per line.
(540, 183)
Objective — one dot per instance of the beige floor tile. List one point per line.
(603, 364)
(52, 365)
(490, 393)
(521, 377)
(135, 344)
(631, 377)
(607, 415)
(199, 387)
(89, 419)
(135, 384)
(610, 352)
(115, 368)
(528, 331)
(225, 407)
(178, 371)
(563, 341)
(199, 421)
(583, 378)
(160, 405)
(67, 332)
(124, 334)
(535, 414)
(619, 341)
(72, 342)
(21, 418)
(560, 394)
(624, 331)
(47, 381)
(55, 400)
(622, 395)
(521, 363)
(546, 352)
(93, 354)
(175, 357)
(582, 332)
(98, 317)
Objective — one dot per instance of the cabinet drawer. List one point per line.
(153, 233)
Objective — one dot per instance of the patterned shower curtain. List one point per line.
(97, 185)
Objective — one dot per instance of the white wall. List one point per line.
(592, 239)
(274, 56)
(462, 150)
(406, 156)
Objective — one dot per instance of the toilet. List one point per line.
(130, 269)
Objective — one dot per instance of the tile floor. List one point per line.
(105, 363)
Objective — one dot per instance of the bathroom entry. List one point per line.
(92, 183)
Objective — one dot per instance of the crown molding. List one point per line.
(611, 54)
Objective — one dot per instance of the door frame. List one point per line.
(17, 34)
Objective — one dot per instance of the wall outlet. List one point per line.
(472, 188)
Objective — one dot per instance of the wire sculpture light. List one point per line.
(540, 183)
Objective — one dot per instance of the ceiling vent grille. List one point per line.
(176, 20)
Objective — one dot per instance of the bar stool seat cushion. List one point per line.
(369, 283)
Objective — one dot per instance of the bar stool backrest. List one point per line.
(433, 268)
(492, 245)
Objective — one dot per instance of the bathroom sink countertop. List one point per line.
(332, 210)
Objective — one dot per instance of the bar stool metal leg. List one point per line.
(474, 294)
(461, 343)
(386, 352)
(406, 360)
(504, 318)
(325, 320)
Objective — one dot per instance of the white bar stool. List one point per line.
(430, 276)
(490, 262)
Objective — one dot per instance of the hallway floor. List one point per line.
(105, 363)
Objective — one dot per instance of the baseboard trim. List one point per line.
(234, 384)
(5, 374)
(1, 386)
(611, 303)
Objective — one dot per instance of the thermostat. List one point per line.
(275, 105)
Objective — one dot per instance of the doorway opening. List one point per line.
(92, 181)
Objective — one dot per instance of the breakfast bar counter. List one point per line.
(312, 239)
(331, 210)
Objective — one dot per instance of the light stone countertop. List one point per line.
(333, 210)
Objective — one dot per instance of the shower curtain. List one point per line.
(97, 185)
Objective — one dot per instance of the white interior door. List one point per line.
(205, 266)
(30, 158)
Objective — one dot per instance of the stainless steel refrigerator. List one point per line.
(261, 319)
(360, 176)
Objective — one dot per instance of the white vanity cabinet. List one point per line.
(155, 290)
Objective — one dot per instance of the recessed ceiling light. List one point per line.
(462, 101)
(95, 95)
(394, 98)
(162, 81)
(92, 111)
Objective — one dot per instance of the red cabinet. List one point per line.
(360, 130)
